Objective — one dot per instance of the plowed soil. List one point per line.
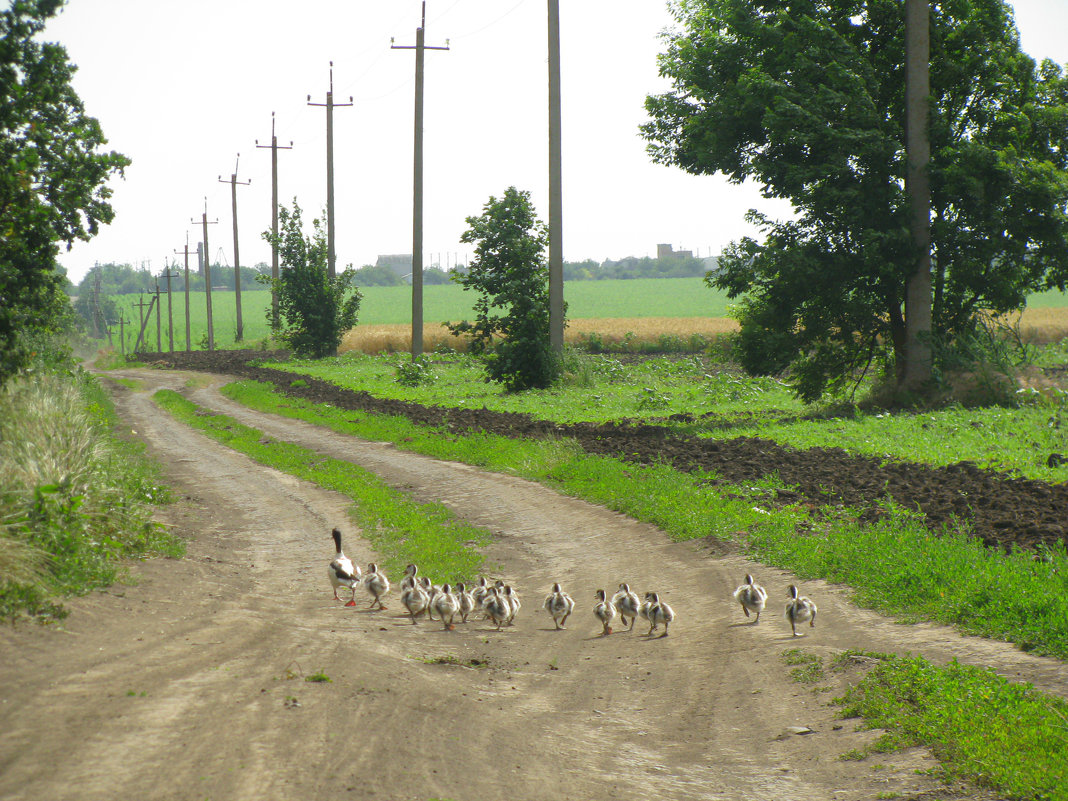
(1003, 511)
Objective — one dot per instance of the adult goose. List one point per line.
(343, 573)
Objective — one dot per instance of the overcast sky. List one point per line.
(183, 87)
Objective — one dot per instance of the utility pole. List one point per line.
(275, 147)
(170, 311)
(159, 323)
(185, 252)
(234, 183)
(417, 190)
(330, 106)
(556, 215)
(207, 273)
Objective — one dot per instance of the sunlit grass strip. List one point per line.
(981, 727)
(400, 529)
(896, 565)
(899, 567)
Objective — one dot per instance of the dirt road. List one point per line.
(190, 682)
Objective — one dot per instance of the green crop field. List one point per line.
(678, 298)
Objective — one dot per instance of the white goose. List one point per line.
(377, 584)
(605, 611)
(627, 604)
(658, 612)
(752, 597)
(799, 609)
(559, 605)
(446, 605)
(343, 573)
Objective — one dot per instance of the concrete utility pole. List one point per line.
(556, 193)
(234, 183)
(275, 147)
(170, 310)
(330, 106)
(417, 193)
(159, 322)
(207, 273)
(918, 301)
(185, 253)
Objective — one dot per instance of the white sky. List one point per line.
(183, 87)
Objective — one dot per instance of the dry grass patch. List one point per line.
(397, 338)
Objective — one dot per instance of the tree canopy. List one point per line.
(52, 177)
(806, 97)
(512, 278)
(316, 310)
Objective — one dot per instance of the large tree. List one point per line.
(807, 97)
(52, 177)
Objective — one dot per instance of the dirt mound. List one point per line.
(1003, 511)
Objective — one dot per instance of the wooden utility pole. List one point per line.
(417, 192)
(330, 105)
(159, 322)
(556, 194)
(145, 316)
(185, 253)
(918, 301)
(122, 333)
(275, 147)
(207, 274)
(170, 310)
(234, 183)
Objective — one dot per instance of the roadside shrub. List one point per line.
(415, 372)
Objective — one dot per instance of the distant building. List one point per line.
(400, 263)
(668, 252)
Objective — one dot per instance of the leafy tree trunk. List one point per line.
(917, 369)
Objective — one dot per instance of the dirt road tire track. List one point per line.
(178, 687)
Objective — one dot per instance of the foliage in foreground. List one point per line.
(980, 726)
(808, 100)
(401, 529)
(510, 275)
(52, 177)
(316, 309)
(74, 500)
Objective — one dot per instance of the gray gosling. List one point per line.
(800, 609)
(752, 597)
(559, 605)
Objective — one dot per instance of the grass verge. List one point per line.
(76, 500)
(981, 727)
(894, 565)
(397, 527)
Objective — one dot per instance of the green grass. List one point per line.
(397, 527)
(601, 388)
(895, 565)
(981, 727)
(76, 500)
